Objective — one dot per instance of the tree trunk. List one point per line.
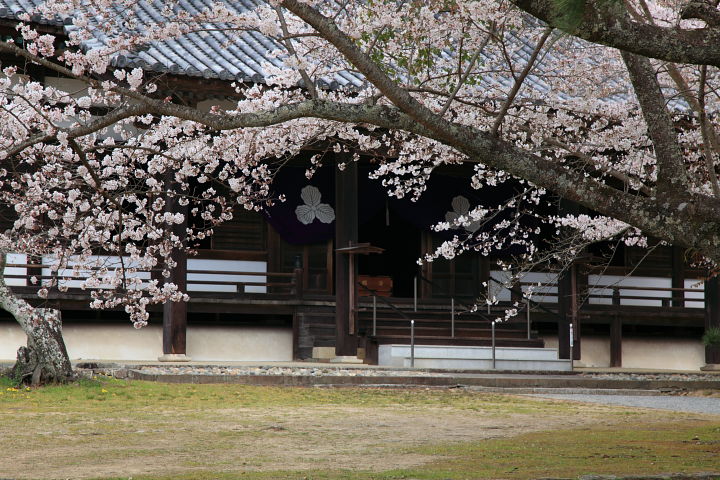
(45, 358)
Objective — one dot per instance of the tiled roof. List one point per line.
(218, 55)
(213, 54)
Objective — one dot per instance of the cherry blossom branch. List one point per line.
(623, 177)
(93, 174)
(519, 80)
(107, 120)
(463, 78)
(499, 155)
(309, 84)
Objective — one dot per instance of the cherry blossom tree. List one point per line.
(611, 105)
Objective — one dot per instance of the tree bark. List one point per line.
(44, 359)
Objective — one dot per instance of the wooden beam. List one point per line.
(346, 232)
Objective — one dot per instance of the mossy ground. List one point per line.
(105, 428)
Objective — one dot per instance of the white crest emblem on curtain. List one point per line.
(461, 208)
(313, 208)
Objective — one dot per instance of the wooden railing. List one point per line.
(260, 282)
(625, 295)
(210, 281)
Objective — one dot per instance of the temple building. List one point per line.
(331, 273)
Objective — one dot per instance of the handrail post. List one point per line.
(452, 317)
(298, 282)
(488, 297)
(412, 343)
(374, 315)
(616, 296)
(415, 293)
(493, 344)
(527, 314)
(572, 345)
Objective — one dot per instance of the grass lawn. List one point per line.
(107, 428)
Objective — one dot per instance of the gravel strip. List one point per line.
(675, 403)
(677, 377)
(285, 371)
(402, 372)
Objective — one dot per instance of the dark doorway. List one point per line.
(401, 241)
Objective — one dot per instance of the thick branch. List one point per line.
(708, 135)
(614, 29)
(704, 11)
(674, 221)
(671, 175)
(91, 127)
(572, 185)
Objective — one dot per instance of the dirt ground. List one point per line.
(76, 444)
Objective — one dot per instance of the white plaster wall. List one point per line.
(11, 338)
(651, 353)
(123, 342)
(674, 354)
(240, 344)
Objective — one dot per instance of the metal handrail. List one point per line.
(529, 300)
(402, 314)
(385, 301)
(435, 285)
(467, 307)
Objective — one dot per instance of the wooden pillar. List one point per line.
(616, 332)
(346, 233)
(615, 341)
(34, 271)
(678, 276)
(296, 319)
(564, 312)
(712, 316)
(175, 313)
(574, 317)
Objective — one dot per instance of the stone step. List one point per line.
(469, 357)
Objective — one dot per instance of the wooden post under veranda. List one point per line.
(175, 313)
(346, 234)
(712, 319)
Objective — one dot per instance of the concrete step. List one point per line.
(468, 357)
